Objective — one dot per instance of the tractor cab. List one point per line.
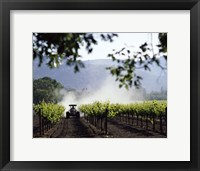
(72, 111)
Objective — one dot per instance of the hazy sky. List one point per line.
(131, 40)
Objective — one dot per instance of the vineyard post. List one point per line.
(40, 122)
(154, 124)
(45, 123)
(161, 127)
(132, 118)
(90, 121)
(95, 121)
(101, 122)
(106, 119)
(49, 124)
(98, 121)
(146, 121)
(43, 126)
(128, 118)
(137, 119)
(141, 125)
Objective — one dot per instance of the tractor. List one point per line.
(72, 111)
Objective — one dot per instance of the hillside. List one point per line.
(94, 75)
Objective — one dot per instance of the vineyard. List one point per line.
(104, 119)
(49, 114)
(147, 113)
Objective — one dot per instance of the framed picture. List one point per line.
(132, 105)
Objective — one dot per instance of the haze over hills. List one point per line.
(94, 75)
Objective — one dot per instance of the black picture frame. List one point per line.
(7, 5)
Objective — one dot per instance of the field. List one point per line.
(102, 120)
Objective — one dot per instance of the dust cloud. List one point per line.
(108, 91)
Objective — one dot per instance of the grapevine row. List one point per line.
(49, 114)
(150, 108)
(149, 112)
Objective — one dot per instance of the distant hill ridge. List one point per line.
(94, 74)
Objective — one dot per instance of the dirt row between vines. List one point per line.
(79, 128)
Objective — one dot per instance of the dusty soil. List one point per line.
(79, 128)
(120, 130)
(68, 128)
